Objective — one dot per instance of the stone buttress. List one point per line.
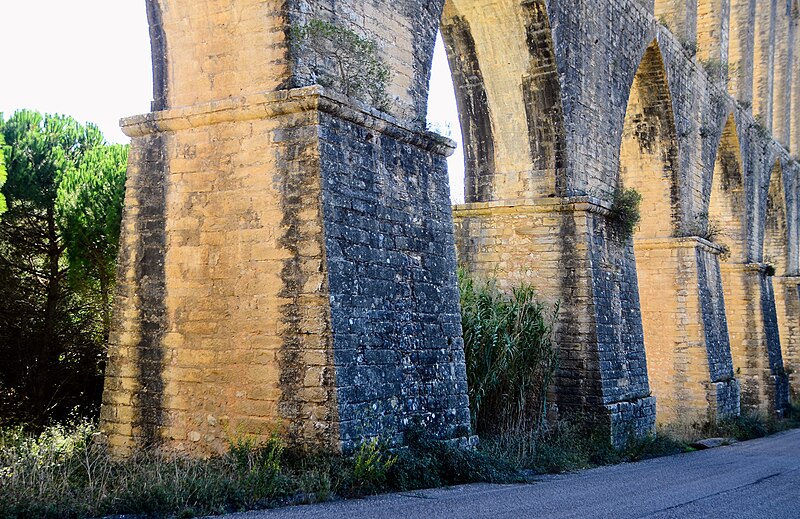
(288, 266)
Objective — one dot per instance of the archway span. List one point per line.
(761, 307)
(509, 99)
(683, 316)
(727, 203)
(776, 244)
(649, 149)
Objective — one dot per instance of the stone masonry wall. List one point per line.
(565, 249)
(287, 255)
(396, 321)
(254, 295)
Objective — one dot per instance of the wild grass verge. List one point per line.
(65, 473)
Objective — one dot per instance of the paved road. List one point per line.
(756, 479)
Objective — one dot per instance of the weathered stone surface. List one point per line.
(302, 281)
(287, 255)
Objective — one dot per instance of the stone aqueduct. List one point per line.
(289, 255)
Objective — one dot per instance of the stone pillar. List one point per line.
(685, 331)
(740, 50)
(787, 306)
(713, 31)
(763, 62)
(680, 16)
(287, 264)
(566, 250)
(755, 343)
(782, 85)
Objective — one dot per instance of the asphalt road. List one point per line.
(756, 479)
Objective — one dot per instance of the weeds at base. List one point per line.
(63, 473)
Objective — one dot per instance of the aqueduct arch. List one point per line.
(528, 231)
(680, 290)
(288, 254)
(783, 288)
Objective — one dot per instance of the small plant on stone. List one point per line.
(340, 59)
(702, 227)
(371, 464)
(716, 69)
(760, 128)
(689, 46)
(625, 213)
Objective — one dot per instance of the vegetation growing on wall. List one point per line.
(510, 355)
(625, 213)
(340, 59)
(58, 242)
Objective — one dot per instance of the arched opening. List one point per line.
(727, 228)
(679, 286)
(726, 207)
(648, 164)
(520, 226)
(784, 289)
(509, 99)
(776, 245)
(649, 150)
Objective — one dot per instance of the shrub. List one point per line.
(340, 59)
(371, 465)
(427, 464)
(716, 69)
(510, 355)
(625, 213)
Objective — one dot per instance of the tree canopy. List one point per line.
(64, 188)
(2, 172)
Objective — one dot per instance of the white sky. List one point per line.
(91, 59)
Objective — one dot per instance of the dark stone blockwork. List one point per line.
(396, 322)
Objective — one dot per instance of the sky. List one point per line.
(90, 59)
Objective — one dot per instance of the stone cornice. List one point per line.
(285, 102)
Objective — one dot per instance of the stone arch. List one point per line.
(509, 98)
(776, 244)
(727, 202)
(683, 316)
(522, 224)
(760, 306)
(649, 148)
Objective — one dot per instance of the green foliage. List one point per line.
(342, 60)
(51, 337)
(760, 128)
(689, 46)
(717, 70)
(371, 465)
(3, 173)
(510, 355)
(426, 463)
(573, 444)
(65, 472)
(625, 213)
(90, 200)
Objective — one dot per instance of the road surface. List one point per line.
(755, 479)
